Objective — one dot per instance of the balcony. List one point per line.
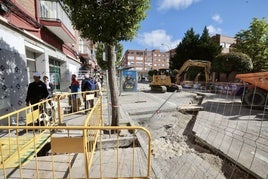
(53, 16)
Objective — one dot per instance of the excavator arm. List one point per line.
(199, 63)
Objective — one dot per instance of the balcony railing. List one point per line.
(53, 10)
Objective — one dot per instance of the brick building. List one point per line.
(144, 60)
(224, 41)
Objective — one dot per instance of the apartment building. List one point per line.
(37, 35)
(144, 60)
(224, 41)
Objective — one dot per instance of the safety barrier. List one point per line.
(80, 152)
(36, 143)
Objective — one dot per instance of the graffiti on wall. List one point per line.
(13, 75)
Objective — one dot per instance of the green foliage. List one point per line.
(107, 21)
(194, 46)
(254, 43)
(207, 47)
(185, 50)
(234, 61)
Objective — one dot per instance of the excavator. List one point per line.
(162, 78)
(162, 82)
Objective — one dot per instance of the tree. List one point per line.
(109, 22)
(207, 47)
(185, 50)
(254, 43)
(193, 46)
(232, 62)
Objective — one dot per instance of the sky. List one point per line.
(167, 21)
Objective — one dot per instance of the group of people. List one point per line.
(89, 83)
(38, 90)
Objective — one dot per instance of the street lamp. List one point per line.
(169, 50)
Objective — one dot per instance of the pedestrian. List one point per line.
(75, 86)
(37, 91)
(74, 101)
(98, 86)
(50, 110)
(50, 86)
(88, 84)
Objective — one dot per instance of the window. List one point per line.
(228, 45)
(139, 58)
(54, 70)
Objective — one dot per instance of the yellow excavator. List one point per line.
(162, 82)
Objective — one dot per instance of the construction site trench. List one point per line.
(174, 139)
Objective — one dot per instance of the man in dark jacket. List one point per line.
(88, 84)
(37, 91)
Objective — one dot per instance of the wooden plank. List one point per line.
(10, 145)
(190, 108)
(67, 145)
(26, 152)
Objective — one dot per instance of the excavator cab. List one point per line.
(162, 81)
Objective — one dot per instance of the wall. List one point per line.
(13, 71)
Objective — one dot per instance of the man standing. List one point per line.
(50, 86)
(74, 100)
(88, 84)
(37, 91)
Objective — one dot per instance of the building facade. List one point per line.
(224, 41)
(35, 35)
(144, 60)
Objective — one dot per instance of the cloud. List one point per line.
(157, 39)
(176, 4)
(214, 30)
(217, 18)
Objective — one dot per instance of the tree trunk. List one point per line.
(114, 92)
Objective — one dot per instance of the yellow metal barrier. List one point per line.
(115, 156)
(35, 143)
